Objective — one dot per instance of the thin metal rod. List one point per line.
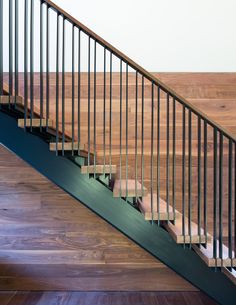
(10, 49)
(199, 163)
(31, 63)
(26, 61)
(158, 150)
(110, 116)
(63, 86)
(167, 153)
(230, 206)
(136, 134)
(190, 175)
(47, 67)
(173, 160)
(127, 129)
(1, 47)
(152, 140)
(215, 192)
(104, 111)
(79, 89)
(57, 81)
(73, 89)
(221, 197)
(183, 174)
(16, 48)
(120, 125)
(89, 64)
(95, 107)
(41, 64)
(205, 182)
(142, 137)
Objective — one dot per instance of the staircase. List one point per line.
(124, 136)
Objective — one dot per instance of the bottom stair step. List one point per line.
(161, 214)
(206, 255)
(98, 169)
(175, 231)
(231, 274)
(128, 188)
(35, 123)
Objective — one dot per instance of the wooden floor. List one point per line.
(104, 298)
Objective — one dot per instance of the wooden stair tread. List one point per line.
(119, 188)
(4, 100)
(98, 169)
(35, 123)
(206, 255)
(68, 146)
(175, 231)
(146, 209)
(230, 274)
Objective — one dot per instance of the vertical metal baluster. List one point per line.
(173, 152)
(120, 125)
(41, 64)
(31, 63)
(57, 80)
(95, 106)
(167, 152)
(10, 79)
(26, 61)
(205, 182)
(89, 51)
(16, 48)
(183, 175)
(127, 130)
(79, 89)
(47, 66)
(190, 175)
(234, 200)
(152, 140)
(221, 198)
(73, 90)
(110, 125)
(215, 191)
(158, 151)
(104, 112)
(230, 209)
(136, 134)
(1, 47)
(199, 126)
(142, 136)
(63, 86)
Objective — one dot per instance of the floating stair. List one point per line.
(6, 99)
(98, 169)
(67, 146)
(128, 188)
(231, 274)
(161, 214)
(175, 231)
(206, 255)
(35, 123)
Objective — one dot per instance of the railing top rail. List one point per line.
(141, 70)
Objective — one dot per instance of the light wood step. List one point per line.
(5, 100)
(206, 255)
(175, 231)
(231, 274)
(68, 146)
(146, 209)
(35, 123)
(98, 169)
(119, 189)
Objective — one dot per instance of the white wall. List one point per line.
(165, 35)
